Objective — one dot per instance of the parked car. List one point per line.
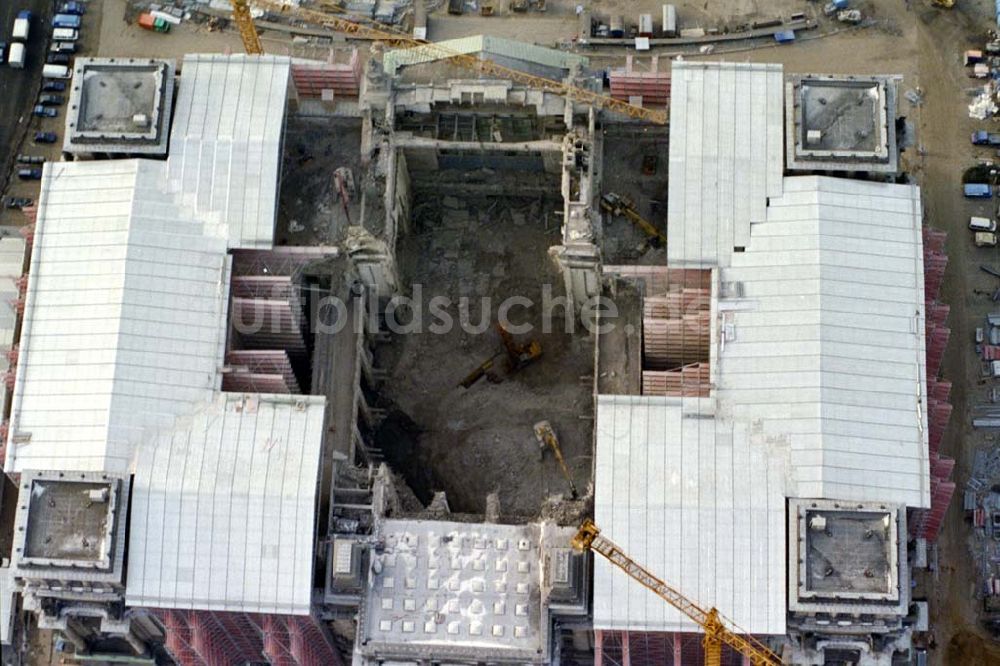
(985, 239)
(65, 35)
(3, 51)
(51, 100)
(44, 111)
(31, 159)
(58, 59)
(19, 202)
(46, 137)
(984, 138)
(63, 47)
(72, 8)
(29, 174)
(978, 190)
(982, 224)
(71, 21)
(53, 86)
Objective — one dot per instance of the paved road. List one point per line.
(20, 86)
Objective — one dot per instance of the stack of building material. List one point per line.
(652, 86)
(259, 371)
(676, 332)
(268, 313)
(691, 380)
(341, 79)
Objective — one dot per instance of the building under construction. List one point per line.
(264, 380)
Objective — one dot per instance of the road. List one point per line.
(20, 86)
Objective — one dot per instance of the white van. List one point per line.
(56, 72)
(982, 224)
(15, 57)
(65, 35)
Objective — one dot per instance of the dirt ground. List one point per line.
(479, 440)
(623, 150)
(311, 211)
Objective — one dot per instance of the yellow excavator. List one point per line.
(620, 205)
(393, 37)
(717, 629)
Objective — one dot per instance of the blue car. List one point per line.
(72, 8)
(44, 111)
(978, 191)
(53, 86)
(46, 137)
(66, 21)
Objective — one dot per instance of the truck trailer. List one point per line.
(15, 57)
(22, 26)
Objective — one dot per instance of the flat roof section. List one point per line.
(70, 526)
(465, 590)
(70, 521)
(838, 123)
(119, 105)
(847, 557)
(844, 115)
(848, 551)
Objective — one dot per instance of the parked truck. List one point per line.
(150, 22)
(15, 58)
(56, 72)
(22, 25)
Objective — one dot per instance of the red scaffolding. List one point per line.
(217, 638)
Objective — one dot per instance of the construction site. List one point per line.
(489, 349)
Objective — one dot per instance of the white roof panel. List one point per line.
(828, 339)
(818, 392)
(696, 500)
(726, 156)
(223, 507)
(225, 147)
(124, 319)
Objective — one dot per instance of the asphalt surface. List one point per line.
(19, 87)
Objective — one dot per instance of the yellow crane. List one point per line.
(712, 623)
(386, 34)
(248, 32)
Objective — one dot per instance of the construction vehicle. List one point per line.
(518, 356)
(620, 205)
(393, 37)
(546, 437)
(711, 622)
(947, 4)
(149, 22)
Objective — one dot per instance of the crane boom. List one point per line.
(716, 632)
(393, 37)
(248, 32)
